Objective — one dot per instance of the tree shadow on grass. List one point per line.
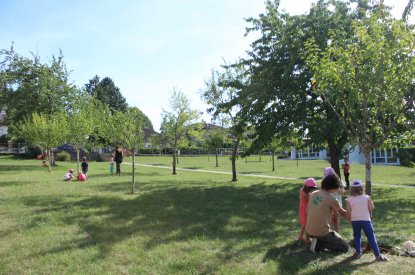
(18, 168)
(170, 214)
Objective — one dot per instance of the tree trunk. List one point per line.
(273, 161)
(233, 159)
(217, 161)
(368, 164)
(133, 175)
(77, 161)
(50, 160)
(174, 161)
(334, 153)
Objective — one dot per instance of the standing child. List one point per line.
(309, 186)
(338, 196)
(84, 166)
(360, 205)
(112, 166)
(68, 176)
(346, 172)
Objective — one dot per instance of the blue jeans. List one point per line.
(370, 234)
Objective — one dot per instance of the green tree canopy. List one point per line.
(367, 78)
(177, 121)
(29, 86)
(106, 91)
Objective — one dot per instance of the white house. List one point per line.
(378, 156)
(3, 123)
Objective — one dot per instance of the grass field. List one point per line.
(191, 223)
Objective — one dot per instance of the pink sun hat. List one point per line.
(310, 182)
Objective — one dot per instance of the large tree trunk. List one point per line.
(133, 175)
(334, 153)
(233, 159)
(368, 163)
(174, 161)
(273, 161)
(217, 161)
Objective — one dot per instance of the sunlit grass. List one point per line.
(190, 223)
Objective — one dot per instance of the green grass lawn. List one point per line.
(190, 223)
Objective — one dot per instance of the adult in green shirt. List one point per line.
(319, 213)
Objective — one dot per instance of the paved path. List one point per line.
(250, 175)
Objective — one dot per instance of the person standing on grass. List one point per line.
(309, 186)
(319, 214)
(118, 156)
(112, 166)
(360, 205)
(346, 172)
(84, 166)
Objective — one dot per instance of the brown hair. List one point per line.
(356, 190)
(331, 181)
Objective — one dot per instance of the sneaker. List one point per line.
(357, 255)
(381, 258)
(313, 245)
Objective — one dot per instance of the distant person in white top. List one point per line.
(359, 205)
(68, 176)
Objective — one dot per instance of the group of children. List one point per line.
(82, 176)
(359, 206)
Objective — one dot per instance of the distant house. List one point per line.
(3, 123)
(148, 133)
(378, 156)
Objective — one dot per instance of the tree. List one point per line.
(127, 128)
(44, 131)
(81, 123)
(214, 140)
(28, 86)
(106, 91)
(367, 79)
(408, 9)
(277, 98)
(177, 121)
(220, 93)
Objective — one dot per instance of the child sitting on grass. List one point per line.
(68, 176)
(81, 176)
(360, 205)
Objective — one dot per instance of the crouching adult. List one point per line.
(319, 213)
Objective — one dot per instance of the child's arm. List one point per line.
(370, 205)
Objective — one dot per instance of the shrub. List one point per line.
(63, 156)
(406, 157)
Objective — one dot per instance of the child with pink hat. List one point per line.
(309, 186)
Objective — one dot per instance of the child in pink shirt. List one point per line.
(309, 186)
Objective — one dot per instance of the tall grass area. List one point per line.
(190, 223)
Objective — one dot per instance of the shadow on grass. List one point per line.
(13, 183)
(171, 214)
(166, 212)
(18, 168)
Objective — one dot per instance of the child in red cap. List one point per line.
(309, 186)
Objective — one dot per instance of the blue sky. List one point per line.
(146, 46)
